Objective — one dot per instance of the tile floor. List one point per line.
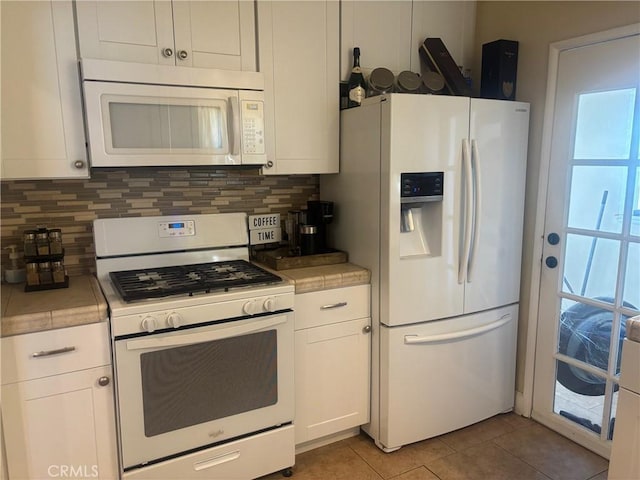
(505, 447)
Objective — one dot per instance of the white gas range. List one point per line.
(203, 348)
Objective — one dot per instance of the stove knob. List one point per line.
(175, 320)
(149, 324)
(270, 304)
(250, 307)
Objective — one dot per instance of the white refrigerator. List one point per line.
(430, 198)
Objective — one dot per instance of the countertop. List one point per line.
(83, 302)
(633, 329)
(26, 312)
(324, 277)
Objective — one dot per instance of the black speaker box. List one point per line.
(499, 70)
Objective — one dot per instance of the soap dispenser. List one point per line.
(14, 274)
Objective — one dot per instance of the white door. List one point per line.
(61, 424)
(215, 34)
(590, 280)
(437, 377)
(425, 135)
(132, 31)
(498, 134)
(42, 126)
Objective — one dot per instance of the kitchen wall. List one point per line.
(535, 25)
(72, 205)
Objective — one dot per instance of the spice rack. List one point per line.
(44, 260)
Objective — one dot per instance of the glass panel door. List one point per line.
(590, 281)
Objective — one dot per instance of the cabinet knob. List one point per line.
(366, 329)
(79, 164)
(269, 164)
(167, 52)
(182, 54)
(103, 381)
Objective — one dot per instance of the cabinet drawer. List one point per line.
(41, 354)
(331, 306)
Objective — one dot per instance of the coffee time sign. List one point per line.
(264, 229)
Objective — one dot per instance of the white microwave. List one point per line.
(155, 115)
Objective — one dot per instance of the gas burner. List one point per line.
(189, 279)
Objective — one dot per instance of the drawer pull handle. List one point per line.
(53, 352)
(333, 305)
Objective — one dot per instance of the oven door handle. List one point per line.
(173, 340)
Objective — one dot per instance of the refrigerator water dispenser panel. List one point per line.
(421, 214)
(421, 187)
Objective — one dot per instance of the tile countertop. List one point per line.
(26, 312)
(324, 277)
(633, 328)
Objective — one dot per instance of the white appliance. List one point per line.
(156, 115)
(203, 348)
(431, 199)
(625, 462)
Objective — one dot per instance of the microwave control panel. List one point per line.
(253, 127)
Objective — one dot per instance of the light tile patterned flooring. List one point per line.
(505, 447)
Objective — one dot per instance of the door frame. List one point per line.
(524, 401)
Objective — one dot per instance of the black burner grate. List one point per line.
(189, 279)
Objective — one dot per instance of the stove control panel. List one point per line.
(185, 228)
(196, 310)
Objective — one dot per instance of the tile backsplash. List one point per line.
(72, 205)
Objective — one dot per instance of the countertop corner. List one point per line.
(27, 312)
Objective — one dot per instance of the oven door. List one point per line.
(186, 389)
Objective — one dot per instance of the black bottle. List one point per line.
(357, 86)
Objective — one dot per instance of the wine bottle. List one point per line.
(356, 85)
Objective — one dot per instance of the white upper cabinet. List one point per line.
(382, 30)
(299, 57)
(42, 129)
(206, 34)
(389, 33)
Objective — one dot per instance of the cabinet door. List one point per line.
(382, 30)
(59, 425)
(131, 31)
(299, 59)
(42, 129)
(331, 378)
(215, 34)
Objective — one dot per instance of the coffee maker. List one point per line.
(320, 214)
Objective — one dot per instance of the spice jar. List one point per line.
(57, 271)
(29, 241)
(32, 274)
(42, 242)
(55, 241)
(44, 269)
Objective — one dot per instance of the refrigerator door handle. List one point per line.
(470, 332)
(468, 211)
(477, 206)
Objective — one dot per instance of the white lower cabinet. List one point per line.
(332, 361)
(61, 425)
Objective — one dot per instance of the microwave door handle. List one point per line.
(234, 127)
(158, 341)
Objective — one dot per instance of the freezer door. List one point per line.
(437, 377)
(419, 264)
(498, 135)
